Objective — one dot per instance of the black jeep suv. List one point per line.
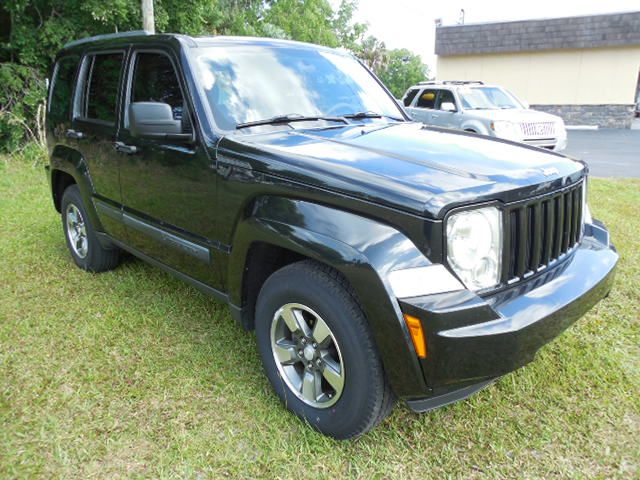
(376, 258)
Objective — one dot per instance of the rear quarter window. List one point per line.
(62, 87)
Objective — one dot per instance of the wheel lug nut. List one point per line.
(315, 345)
(304, 341)
(318, 362)
(300, 352)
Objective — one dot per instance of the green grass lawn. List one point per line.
(132, 373)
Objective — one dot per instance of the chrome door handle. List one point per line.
(75, 134)
(123, 148)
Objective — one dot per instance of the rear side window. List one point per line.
(155, 80)
(62, 87)
(410, 96)
(427, 99)
(102, 87)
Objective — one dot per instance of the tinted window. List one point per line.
(446, 96)
(62, 87)
(102, 91)
(155, 80)
(410, 96)
(427, 99)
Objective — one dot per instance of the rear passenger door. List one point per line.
(94, 130)
(424, 105)
(168, 186)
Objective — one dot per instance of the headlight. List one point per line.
(474, 246)
(508, 130)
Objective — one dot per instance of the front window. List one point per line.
(487, 98)
(251, 83)
(155, 80)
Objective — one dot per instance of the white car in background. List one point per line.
(485, 109)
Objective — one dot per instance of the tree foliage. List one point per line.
(401, 70)
(34, 30)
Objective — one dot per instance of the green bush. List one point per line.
(22, 100)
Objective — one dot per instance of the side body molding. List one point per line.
(363, 250)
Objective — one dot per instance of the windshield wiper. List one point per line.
(370, 114)
(288, 118)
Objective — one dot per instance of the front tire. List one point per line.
(318, 351)
(82, 242)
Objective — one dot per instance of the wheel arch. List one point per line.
(60, 180)
(68, 167)
(282, 230)
(474, 126)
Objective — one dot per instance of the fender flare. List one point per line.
(362, 249)
(71, 161)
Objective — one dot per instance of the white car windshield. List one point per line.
(253, 83)
(487, 98)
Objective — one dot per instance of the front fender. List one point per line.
(363, 250)
(477, 126)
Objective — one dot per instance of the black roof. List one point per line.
(143, 36)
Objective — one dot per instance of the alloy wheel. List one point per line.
(77, 231)
(307, 355)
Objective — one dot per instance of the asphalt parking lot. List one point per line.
(609, 152)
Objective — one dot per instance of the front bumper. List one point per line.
(556, 144)
(472, 340)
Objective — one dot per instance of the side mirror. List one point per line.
(448, 107)
(155, 120)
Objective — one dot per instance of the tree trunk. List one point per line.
(148, 23)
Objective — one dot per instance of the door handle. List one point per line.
(75, 134)
(123, 148)
(434, 115)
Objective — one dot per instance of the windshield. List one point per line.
(485, 98)
(252, 83)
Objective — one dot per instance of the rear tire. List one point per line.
(80, 235)
(325, 368)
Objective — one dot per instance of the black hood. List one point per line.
(406, 165)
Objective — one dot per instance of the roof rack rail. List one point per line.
(451, 82)
(106, 36)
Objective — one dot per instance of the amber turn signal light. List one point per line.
(417, 335)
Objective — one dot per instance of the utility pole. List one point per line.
(148, 23)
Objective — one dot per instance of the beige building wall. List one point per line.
(554, 77)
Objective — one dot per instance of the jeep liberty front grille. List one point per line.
(540, 231)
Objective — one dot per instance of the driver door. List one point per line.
(168, 187)
(446, 118)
